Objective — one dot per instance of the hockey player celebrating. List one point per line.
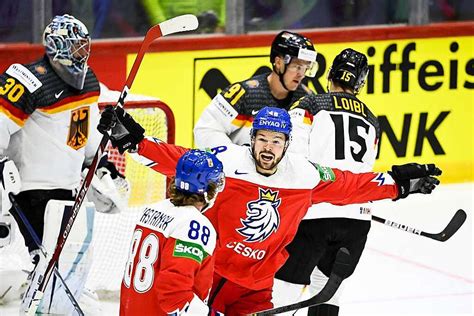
(320, 131)
(268, 191)
(48, 119)
(229, 115)
(170, 265)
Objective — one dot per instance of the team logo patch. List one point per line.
(325, 173)
(41, 70)
(263, 218)
(189, 250)
(252, 83)
(78, 128)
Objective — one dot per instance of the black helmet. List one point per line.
(289, 45)
(350, 69)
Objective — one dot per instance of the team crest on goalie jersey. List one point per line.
(78, 128)
(263, 218)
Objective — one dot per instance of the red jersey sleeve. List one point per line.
(344, 187)
(162, 157)
(181, 278)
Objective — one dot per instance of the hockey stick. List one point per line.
(456, 222)
(182, 23)
(338, 274)
(17, 209)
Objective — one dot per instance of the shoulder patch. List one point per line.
(252, 83)
(325, 173)
(26, 77)
(185, 249)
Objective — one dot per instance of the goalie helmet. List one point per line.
(273, 119)
(289, 45)
(350, 69)
(67, 43)
(196, 169)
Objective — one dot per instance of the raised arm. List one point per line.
(344, 187)
(127, 135)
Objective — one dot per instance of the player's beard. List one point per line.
(267, 165)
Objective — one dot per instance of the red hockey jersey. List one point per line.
(256, 216)
(170, 264)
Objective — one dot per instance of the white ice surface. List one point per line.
(401, 273)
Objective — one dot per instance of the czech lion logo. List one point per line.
(263, 218)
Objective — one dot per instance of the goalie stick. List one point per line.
(456, 222)
(182, 23)
(17, 209)
(338, 274)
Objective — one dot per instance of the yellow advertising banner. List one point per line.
(421, 90)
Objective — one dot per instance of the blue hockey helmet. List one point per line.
(272, 119)
(196, 169)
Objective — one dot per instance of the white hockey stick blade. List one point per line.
(181, 23)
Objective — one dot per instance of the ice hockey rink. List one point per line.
(401, 273)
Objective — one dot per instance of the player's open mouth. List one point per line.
(267, 157)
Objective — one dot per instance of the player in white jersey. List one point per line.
(170, 265)
(48, 119)
(228, 118)
(338, 130)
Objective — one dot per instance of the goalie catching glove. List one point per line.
(415, 178)
(125, 133)
(109, 190)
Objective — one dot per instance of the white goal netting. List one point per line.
(112, 232)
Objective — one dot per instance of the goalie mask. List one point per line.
(349, 69)
(67, 43)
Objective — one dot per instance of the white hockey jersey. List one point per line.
(336, 130)
(228, 118)
(47, 127)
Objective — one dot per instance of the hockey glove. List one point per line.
(415, 178)
(105, 163)
(125, 132)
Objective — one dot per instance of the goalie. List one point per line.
(48, 115)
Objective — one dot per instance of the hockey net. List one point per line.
(112, 232)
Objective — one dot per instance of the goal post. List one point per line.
(112, 232)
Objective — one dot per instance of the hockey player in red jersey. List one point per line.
(267, 193)
(170, 265)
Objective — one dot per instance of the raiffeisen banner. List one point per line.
(421, 90)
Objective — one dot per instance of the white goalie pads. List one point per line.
(109, 195)
(75, 260)
(10, 182)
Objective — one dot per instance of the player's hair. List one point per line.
(181, 198)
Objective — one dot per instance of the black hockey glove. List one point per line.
(105, 163)
(125, 132)
(415, 178)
